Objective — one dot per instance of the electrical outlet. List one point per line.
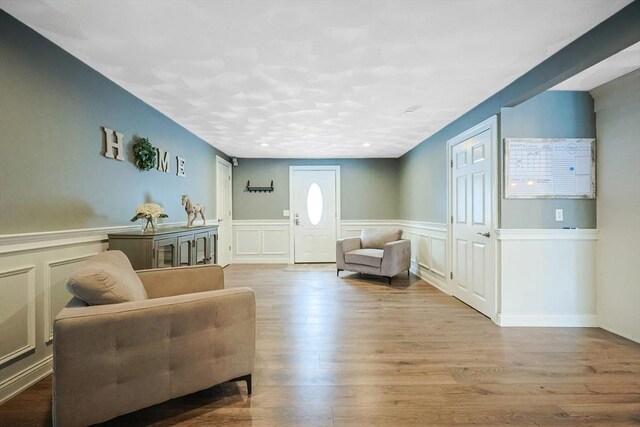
(285, 212)
(559, 215)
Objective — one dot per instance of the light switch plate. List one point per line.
(285, 212)
(559, 215)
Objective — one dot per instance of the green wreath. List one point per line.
(145, 154)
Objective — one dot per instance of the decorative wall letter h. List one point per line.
(112, 145)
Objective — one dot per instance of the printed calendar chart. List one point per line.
(549, 168)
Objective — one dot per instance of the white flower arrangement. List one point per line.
(149, 211)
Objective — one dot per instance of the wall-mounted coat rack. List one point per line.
(250, 189)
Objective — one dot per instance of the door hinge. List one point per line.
(451, 275)
(451, 219)
(451, 163)
(229, 248)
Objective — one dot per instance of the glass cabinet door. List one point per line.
(203, 248)
(184, 251)
(165, 253)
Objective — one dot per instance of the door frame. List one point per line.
(490, 124)
(294, 168)
(221, 160)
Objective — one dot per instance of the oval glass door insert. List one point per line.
(314, 204)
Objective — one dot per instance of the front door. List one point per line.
(473, 254)
(314, 211)
(223, 208)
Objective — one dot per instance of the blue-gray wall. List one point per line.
(369, 187)
(422, 192)
(552, 114)
(53, 175)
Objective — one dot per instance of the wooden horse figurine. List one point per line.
(192, 210)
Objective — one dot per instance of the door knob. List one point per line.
(487, 234)
(220, 219)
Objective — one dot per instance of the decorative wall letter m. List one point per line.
(163, 160)
(113, 142)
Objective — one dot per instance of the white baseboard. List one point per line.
(617, 332)
(430, 278)
(543, 320)
(261, 260)
(25, 379)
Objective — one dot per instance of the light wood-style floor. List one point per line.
(354, 351)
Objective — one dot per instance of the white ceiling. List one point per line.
(611, 68)
(313, 79)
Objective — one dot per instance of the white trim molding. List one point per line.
(261, 241)
(48, 300)
(29, 343)
(19, 242)
(428, 251)
(421, 225)
(26, 378)
(546, 234)
(35, 267)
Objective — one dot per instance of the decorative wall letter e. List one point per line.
(180, 162)
(113, 142)
(163, 160)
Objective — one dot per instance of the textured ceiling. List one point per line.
(313, 78)
(611, 68)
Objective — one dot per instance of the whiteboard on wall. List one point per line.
(554, 168)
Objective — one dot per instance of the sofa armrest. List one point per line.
(165, 282)
(342, 247)
(117, 358)
(396, 257)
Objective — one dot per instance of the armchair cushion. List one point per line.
(374, 238)
(107, 278)
(370, 257)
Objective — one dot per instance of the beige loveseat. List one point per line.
(379, 252)
(178, 332)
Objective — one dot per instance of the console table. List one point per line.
(168, 247)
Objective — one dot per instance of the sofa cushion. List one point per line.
(370, 257)
(107, 278)
(375, 238)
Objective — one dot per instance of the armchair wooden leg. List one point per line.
(247, 379)
(338, 273)
(389, 279)
(408, 274)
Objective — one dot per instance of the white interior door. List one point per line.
(473, 242)
(223, 208)
(314, 214)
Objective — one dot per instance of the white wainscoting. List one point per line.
(428, 245)
(267, 241)
(428, 251)
(34, 268)
(547, 278)
(17, 312)
(261, 241)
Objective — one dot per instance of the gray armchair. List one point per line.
(379, 252)
(149, 336)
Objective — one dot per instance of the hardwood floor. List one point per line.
(354, 351)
